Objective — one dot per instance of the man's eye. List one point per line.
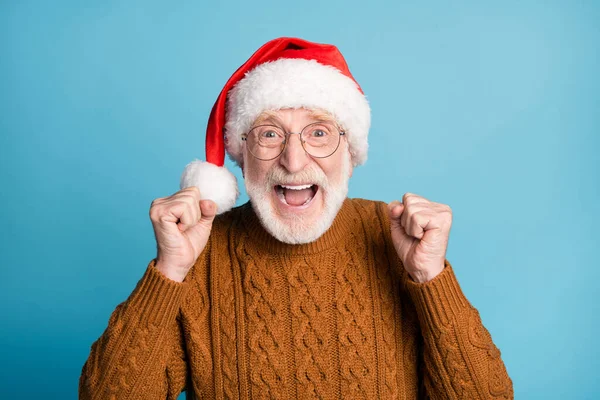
(319, 133)
(269, 134)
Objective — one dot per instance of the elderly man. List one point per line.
(302, 292)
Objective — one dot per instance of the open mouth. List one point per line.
(296, 195)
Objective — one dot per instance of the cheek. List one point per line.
(335, 166)
(255, 170)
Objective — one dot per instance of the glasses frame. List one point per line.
(287, 134)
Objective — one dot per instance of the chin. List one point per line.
(299, 208)
(302, 223)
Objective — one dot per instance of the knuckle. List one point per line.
(192, 209)
(185, 205)
(192, 189)
(193, 199)
(154, 212)
(186, 198)
(411, 198)
(156, 202)
(446, 210)
(162, 217)
(417, 216)
(190, 199)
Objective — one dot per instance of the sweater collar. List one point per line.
(343, 224)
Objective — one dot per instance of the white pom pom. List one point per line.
(215, 183)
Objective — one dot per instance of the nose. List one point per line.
(294, 158)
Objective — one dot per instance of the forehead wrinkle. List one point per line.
(270, 116)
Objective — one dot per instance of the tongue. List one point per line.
(297, 197)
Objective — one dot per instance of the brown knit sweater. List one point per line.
(334, 319)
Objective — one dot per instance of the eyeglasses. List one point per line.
(319, 140)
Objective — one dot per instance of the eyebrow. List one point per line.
(270, 117)
(267, 117)
(322, 116)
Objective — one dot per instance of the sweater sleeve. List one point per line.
(140, 354)
(460, 359)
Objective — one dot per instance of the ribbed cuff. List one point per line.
(439, 300)
(156, 299)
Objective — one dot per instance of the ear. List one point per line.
(349, 160)
(242, 164)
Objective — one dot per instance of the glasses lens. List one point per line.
(266, 141)
(321, 139)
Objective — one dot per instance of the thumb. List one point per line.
(395, 209)
(208, 209)
(401, 239)
(199, 233)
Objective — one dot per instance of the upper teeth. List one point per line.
(301, 187)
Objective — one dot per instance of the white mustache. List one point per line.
(277, 175)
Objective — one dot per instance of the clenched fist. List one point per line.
(182, 224)
(420, 229)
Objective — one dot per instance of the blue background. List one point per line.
(491, 108)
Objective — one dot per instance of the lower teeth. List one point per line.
(282, 198)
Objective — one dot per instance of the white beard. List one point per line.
(294, 229)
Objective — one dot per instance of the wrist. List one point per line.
(170, 272)
(425, 275)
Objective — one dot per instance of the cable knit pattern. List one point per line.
(195, 311)
(225, 293)
(355, 327)
(310, 295)
(481, 338)
(259, 319)
(456, 367)
(224, 319)
(177, 365)
(388, 296)
(264, 314)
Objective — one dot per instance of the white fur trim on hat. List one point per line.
(298, 83)
(215, 183)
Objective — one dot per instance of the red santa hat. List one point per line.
(283, 73)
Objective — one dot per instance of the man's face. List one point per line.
(295, 195)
